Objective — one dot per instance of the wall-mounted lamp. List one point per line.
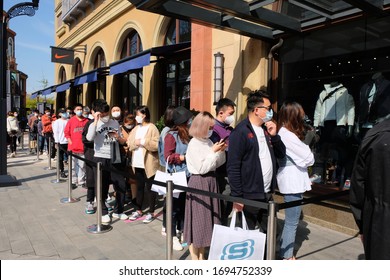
(218, 76)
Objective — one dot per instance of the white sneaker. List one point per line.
(13, 154)
(163, 231)
(149, 217)
(121, 216)
(134, 216)
(106, 219)
(176, 244)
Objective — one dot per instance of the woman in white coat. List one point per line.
(292, 176)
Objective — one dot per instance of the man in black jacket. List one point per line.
(253, 148)
(370, 192)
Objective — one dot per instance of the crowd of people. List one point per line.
(253, 158)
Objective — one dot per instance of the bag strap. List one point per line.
(166, 166)
(233, 220)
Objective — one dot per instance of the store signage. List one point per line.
(61, 55)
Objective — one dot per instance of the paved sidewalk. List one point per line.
(34, 224)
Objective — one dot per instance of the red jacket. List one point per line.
(73, 131)
(46, 122)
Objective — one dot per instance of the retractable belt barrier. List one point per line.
(271, 206)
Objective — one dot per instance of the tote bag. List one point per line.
(235, 243)
(178, 178)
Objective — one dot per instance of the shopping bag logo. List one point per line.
(238, 250)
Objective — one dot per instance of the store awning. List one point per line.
(88, 77)
(35, 94)
(63, 87)
(47, 91)
(130, 63)
(252, 18)
(143, 58)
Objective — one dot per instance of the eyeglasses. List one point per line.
(265, 107)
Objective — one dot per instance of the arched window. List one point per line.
(78, 68)
(177, 83)
(100, 60)
(131, 45)
(76, 93)
(62, 75)
(179, 31)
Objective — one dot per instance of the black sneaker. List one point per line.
(63, 175)
(74, 186)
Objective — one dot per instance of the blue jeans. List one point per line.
(290, 226)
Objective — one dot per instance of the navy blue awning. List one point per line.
(35, 94)
(47, 91)
(88, 77)
(63, 87)
(130, 63)
(142, 59)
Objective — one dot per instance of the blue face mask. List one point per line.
(268, 116)
(65, 115)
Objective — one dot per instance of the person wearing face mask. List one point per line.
(47, 119)
(12, 130)
(60, 139)
(103, 132)
(33, 136)
(202, 159)
(73, 132)
(293, 179)
(254, 146)
(131, 187)
(116, 114)
(143, 143)
(222, 129)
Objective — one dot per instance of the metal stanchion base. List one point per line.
(38, 159)
(49, 168)
(103, 228)
(57, 181)
(69, 200)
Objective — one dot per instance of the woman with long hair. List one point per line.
(293, 179)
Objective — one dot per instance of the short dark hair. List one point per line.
(255, 98)
(100, 105)
(144, 110)
(223, 103)
(77, 105)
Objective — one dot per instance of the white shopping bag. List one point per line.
(178, 178)
(235, 243)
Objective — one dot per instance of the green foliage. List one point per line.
(160, 124)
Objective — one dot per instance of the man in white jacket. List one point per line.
(60, 139)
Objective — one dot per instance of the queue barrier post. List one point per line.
(168, 227)
(69, 199)
(49, 156)
(271, 231)
(99, 227)
(37, 148)
(58, 179)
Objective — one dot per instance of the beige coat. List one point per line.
(150, 148)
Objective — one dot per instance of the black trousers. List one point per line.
(63, 148)
(144, 189)
(90, 177)
(117, 180)
(255, 215)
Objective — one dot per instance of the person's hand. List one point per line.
(238, 206)
(218, 146)
(69, 141)
(271, 128)
(97, 116)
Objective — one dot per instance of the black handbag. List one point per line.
(115, 152)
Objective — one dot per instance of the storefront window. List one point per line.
(179, 31)
(76, 93)
(98, 87)
(132, 45)
(341, 76)
(60, 96)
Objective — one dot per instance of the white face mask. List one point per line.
(139, 119)
(105, 119)
(229, 120)
(129, 126)
(209, 133)
(116, 114)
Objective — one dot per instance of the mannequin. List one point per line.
(334, 117)
(374, 102)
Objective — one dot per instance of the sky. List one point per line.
(34, 36)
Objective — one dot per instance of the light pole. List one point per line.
(24, 8)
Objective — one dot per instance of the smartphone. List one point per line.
(224, 139)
